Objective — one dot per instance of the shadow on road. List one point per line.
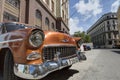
(61, 75)
(58, 75)
(118, 52)
(1, 76)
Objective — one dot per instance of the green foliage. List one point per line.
(86, 38)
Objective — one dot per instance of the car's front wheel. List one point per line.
(8, 73)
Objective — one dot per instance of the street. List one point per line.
(101, 64)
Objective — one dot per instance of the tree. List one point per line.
(86, 38)
(77, 34)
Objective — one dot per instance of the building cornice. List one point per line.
(100, 20)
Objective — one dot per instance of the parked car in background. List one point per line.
(30, 53)
(86, 47)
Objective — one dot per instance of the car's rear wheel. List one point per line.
(8, 73)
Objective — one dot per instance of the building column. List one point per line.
(2, 2)
(106, 35)
(27, 11)
(22, 11)
(112, 36)
(106, 39)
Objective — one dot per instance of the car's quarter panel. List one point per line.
(13, 41)
(17, 42)
(22, 50)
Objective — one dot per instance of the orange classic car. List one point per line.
(30, 53)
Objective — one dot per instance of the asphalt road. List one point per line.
(101, 64)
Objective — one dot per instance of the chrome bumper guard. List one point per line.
(40, 71)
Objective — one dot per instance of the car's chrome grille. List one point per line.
(65, 51)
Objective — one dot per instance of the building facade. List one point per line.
(104, 33)
(62, 12)
(40, 13)
(118, 15)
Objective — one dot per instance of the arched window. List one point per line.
(38, 18)
(53, 26)
(38, 14)
(47, 23)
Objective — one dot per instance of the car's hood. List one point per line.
(52, 38)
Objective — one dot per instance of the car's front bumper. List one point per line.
(40, 71)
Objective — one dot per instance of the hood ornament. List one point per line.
(65, 40)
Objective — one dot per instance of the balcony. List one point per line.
(12, 9)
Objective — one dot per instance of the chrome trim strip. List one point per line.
(56, 45)
(11, 41)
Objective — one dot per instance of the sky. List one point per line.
(84, 13)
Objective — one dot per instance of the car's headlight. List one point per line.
(79, 43)
(36, 38)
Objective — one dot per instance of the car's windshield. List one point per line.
(13, 26)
